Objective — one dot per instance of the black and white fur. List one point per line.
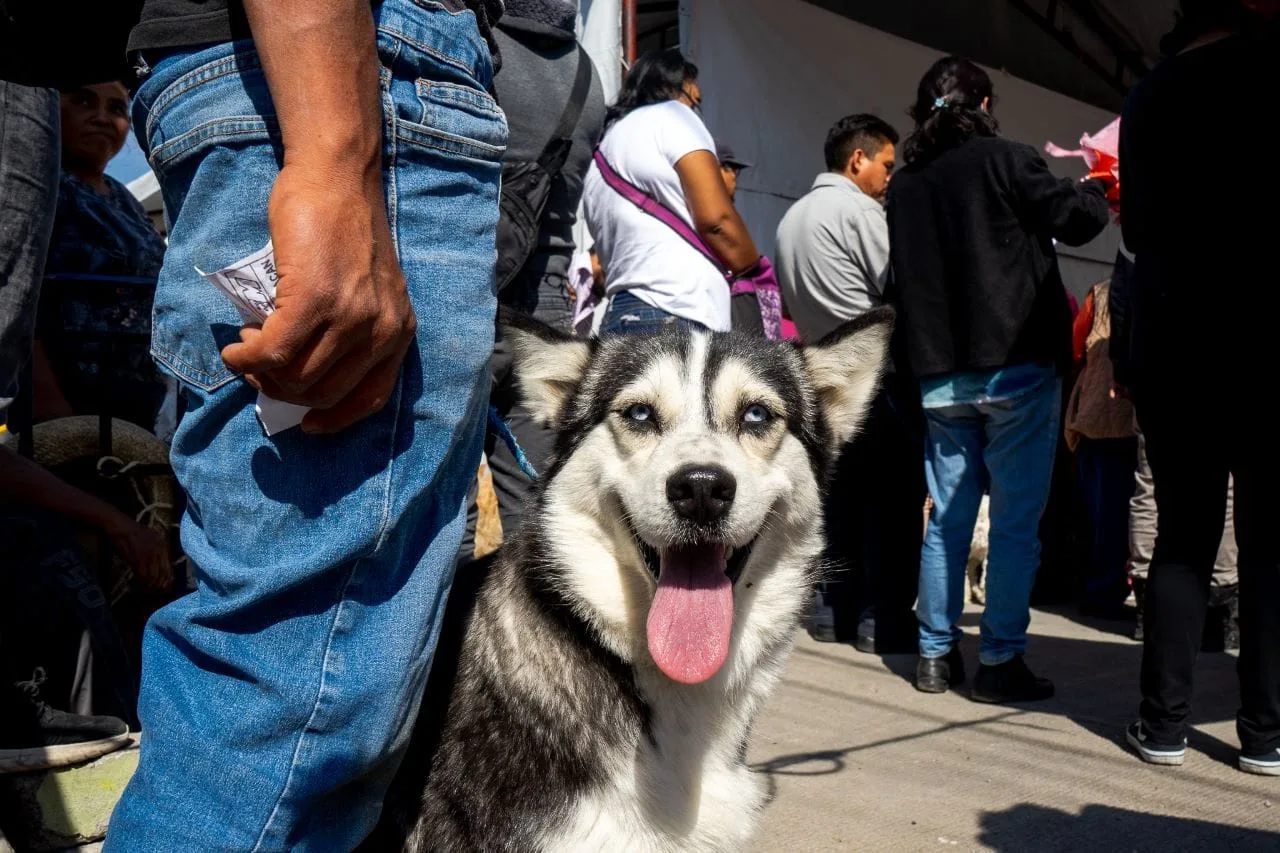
(561, 733)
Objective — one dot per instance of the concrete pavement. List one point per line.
(857, 759)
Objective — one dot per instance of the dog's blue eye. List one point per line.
(756, 414)
(638, 412)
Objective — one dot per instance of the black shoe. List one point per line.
(1261, 763)
(887, 637)
(820, 620)
(865, 641)
(937, 675)
(1164, 754)
(34, 736)
(1010, 681)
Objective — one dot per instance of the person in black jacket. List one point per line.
(985, 325)
(1201, 360)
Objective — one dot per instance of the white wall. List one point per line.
(600, 32)
(776, 74)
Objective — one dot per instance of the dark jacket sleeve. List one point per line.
(1131, 222)
(1120, 303)
(1070, 211)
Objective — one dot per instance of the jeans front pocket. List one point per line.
(462, 112)
(214, 144)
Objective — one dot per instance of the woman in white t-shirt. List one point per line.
(656, 141)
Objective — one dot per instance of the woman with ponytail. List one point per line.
(986, 328)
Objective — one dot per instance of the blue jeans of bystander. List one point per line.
(28, 195)
(1006, 445)
(629, 314)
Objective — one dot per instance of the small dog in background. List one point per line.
(976, 569)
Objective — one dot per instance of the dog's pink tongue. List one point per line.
(692, 614)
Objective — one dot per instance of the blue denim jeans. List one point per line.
(628, 314)
(28, 196)
(278, 697)
(1005, 445)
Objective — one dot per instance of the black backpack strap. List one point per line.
(557, 150)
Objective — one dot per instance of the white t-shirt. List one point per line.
(640, 253)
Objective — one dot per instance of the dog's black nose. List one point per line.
(702, 494)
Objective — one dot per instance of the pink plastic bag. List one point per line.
(1101, 152)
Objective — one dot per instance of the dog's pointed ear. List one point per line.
(845, 369)
(548, 364)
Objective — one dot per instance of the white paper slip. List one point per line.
(277, 416)
(250, 283)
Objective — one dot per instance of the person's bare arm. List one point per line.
(714, 216)
(343, 321)
(47, 400)
(24, 483)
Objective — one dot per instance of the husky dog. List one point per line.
(623, 643)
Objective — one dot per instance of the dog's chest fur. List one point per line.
(682, 786)
(555, 743)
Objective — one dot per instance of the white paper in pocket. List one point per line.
(250, 283)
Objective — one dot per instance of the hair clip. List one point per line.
(939, 103)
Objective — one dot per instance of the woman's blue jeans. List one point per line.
(628, 314)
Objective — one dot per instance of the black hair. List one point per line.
(1196, 18)
(868, 132)
(657, 76)
(948, 109)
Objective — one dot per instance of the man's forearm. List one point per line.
(321, 63)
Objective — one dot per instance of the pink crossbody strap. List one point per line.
(760, 279)
(657, 210)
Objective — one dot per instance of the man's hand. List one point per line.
(343, 321)
(144, 549)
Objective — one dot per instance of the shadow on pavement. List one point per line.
(1096, 683)
(1098, 827)
(828, 761)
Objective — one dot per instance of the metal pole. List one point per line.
(628, 32)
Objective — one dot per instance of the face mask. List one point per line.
(687, 99)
